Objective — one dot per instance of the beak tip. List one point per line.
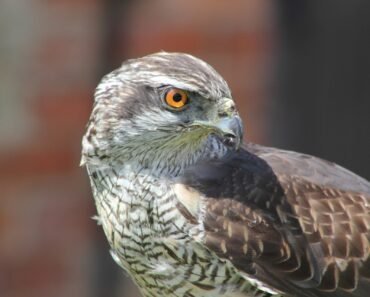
(232, 127)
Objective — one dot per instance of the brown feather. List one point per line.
(293, 221)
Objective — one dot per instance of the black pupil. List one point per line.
(177, 97)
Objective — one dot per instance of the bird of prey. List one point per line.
(191, 210)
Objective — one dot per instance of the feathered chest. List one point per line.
(137, 206)
(153, 242)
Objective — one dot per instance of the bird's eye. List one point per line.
(176, 98)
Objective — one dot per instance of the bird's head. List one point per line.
(162, 108)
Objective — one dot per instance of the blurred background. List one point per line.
(299, 71)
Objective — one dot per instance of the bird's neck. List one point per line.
(173, 161)
(168, 159)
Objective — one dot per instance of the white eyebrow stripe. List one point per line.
(165, 80)
(158, 79)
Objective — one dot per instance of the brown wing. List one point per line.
(297, 223)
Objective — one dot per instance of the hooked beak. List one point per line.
(231, 129)
(227, 124)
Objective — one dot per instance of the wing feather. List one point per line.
(292, 221)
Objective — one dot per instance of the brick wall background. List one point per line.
(52, 54)
(49, 52)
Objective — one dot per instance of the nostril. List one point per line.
(227, 110)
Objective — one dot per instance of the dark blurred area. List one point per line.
(323, 81)
(299, 71)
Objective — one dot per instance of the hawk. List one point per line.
(190, 210)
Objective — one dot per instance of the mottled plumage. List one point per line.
(191, 211)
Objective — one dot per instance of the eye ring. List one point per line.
(176, 98)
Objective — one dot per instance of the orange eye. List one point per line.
(176, 98)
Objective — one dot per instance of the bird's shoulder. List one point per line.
(311, 169)
(290, 219)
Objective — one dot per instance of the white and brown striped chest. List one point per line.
(152, 240)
